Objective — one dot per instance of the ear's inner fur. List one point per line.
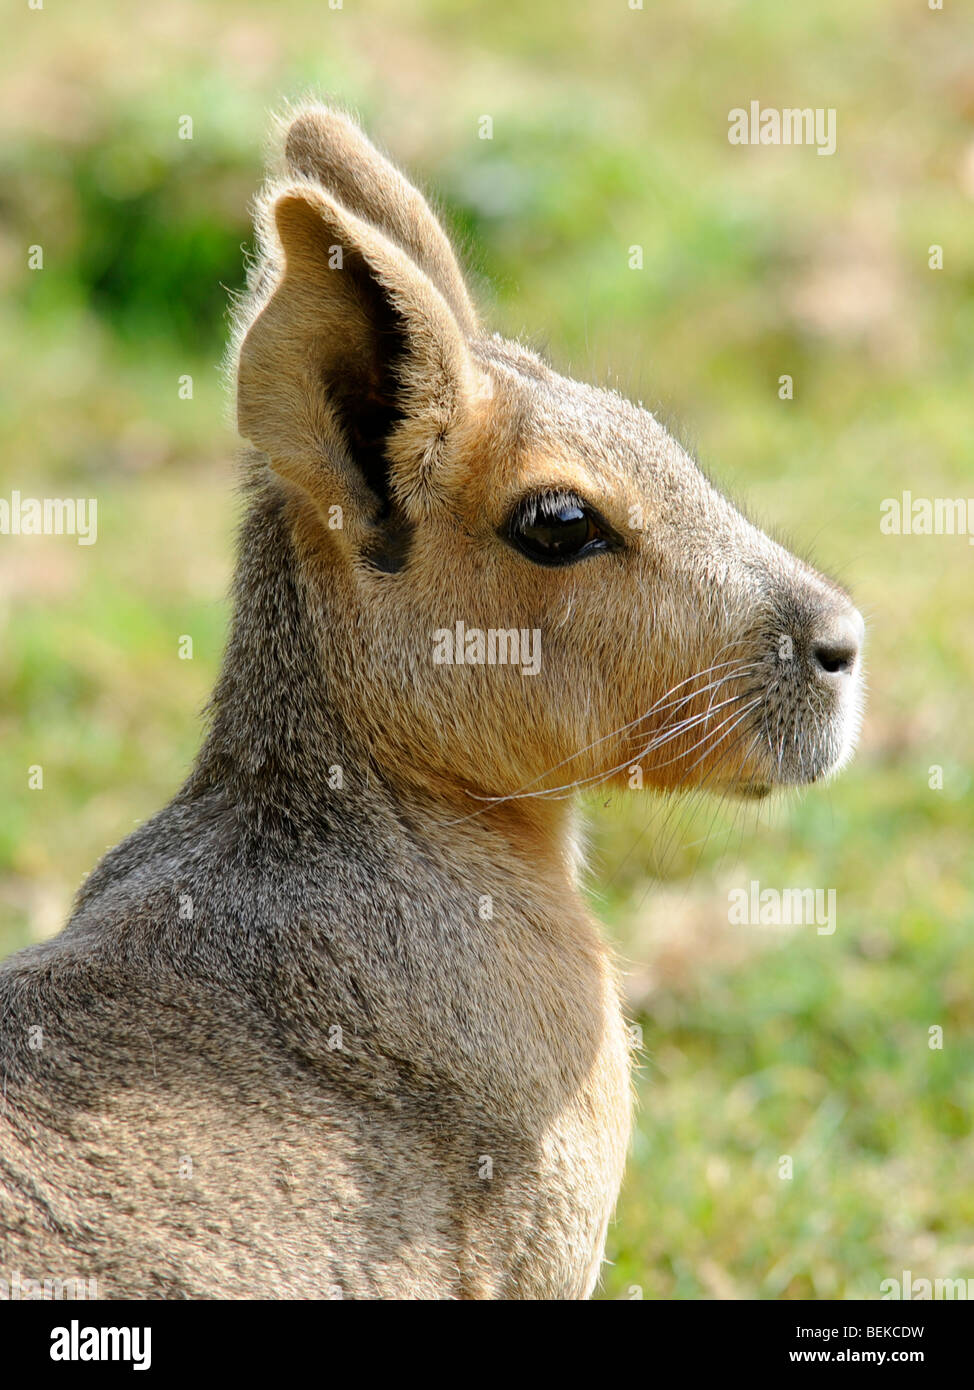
(355, 351)
(365, 390)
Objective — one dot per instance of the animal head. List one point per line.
(518, 582)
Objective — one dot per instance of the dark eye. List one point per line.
(554, 530)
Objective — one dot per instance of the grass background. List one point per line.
(609, 130)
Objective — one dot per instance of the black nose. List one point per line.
(835, 642)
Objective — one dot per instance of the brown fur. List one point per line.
(305, 1035)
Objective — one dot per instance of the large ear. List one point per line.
(325, 146)
(355, 370)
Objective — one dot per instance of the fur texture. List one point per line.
(336, 1021)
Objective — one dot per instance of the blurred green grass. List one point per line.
(609, 131)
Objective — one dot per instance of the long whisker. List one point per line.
(684, 727)
(662, 703)
(666, 819)
(682, 803)
(704, 787)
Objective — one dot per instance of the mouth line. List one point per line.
(753, 791)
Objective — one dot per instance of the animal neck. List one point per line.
(295, 771)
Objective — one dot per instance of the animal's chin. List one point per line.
(797, 771)
(750, 791)
(757, 783)
(754, 788)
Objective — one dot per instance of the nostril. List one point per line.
(834, 647)
(835, 657)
